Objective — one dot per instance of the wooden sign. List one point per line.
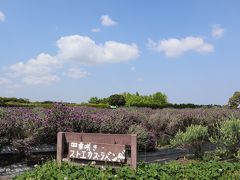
(97, 151)
(105, 148)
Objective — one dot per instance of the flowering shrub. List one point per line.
(227, 137)
(193, 138)
(146, 141)
(27, 127)
(119, 121)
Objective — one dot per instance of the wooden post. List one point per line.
(60, 147)
(134, 151)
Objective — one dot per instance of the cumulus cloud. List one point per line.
(74, 49)
(217, 31)
(2, 16)
(39, 80)
(84, 50)
(76, 73)
(95, 30)
(174, 47)
(5, 82)
(107, 21)
(9, 84)
(36, 71)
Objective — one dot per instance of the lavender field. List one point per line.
(24, 128)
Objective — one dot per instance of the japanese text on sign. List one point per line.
(97, 151)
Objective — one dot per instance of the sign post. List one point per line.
(110, 148)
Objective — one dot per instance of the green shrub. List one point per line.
(193, 138)
(227, 137)
(234, 101)
(2, 103)
(145, 140)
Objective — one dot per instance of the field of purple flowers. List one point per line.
(24, 128)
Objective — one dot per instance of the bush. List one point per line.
(227, 137)
(117, 100)
(33, 125)
(119, 121)
(146, 141)
(57, 120)
(193, 138)
(2, 103)
(234, 101)
(17, 128)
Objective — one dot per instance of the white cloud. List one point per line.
(107, 21)
(2, 16)
(39, 80)
(95, 30)
(5, 81)
(9, 84)
(77, 73)
(174, 47)
(217, 31)
(72, 50)
(36, 71)
(84, 50)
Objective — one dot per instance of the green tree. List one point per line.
(94, 100)
(155, 100)
(117, 100)
(234, 101)
(159, 98)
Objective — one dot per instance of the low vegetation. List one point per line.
(24, 128)
(192, 138)
(173, 170)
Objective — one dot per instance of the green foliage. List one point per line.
(94, 100)
(193, 138)
(234, 101)
(117, 100)
(100, 105)
(168, 171)
(138, 100)
(227, 137)
(145, 140)
(13, 99)
(2, 103)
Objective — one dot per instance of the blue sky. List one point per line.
(72, 50)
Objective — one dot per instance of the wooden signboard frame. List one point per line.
(64, 138)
